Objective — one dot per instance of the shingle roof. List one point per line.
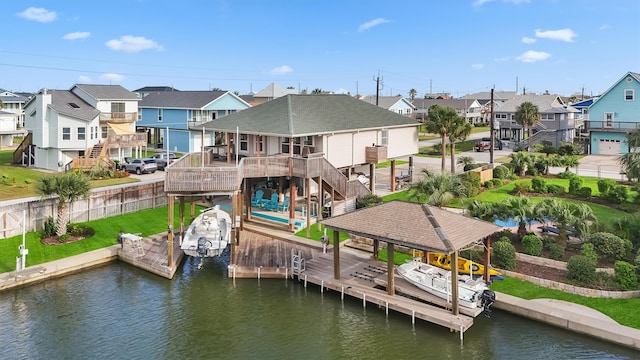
(302, 115)
(274, 91)
(550, 104)
(61, 100)
(414, 225)
(486, 95)
(385, 102)
(180, 99)
(148, 89)
(460, 104)
(107, 92)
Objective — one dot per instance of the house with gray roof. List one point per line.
(80, 127)
(14, 103)
(271, 92)
(470, 109)
(397, 104)
(168, 116)
(9, 128)
(557, 120)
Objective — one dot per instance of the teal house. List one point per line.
(614, 115)
(168, 117)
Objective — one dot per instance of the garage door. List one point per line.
(609, 147)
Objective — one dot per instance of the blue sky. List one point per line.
(456, 46)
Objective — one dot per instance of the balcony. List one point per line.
(118, 117)
(612, 126)
(126, 140)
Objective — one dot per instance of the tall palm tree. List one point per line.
(437, 189)
(412, 94)
(517, 209)
(520, 161)
(69, 187)
(441, 122)
(460, 130)
(630, 162)
(527, 115)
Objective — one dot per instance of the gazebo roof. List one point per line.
(416, 226)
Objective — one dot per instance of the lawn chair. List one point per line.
(284, 205)
(257, 200)
(271, 204)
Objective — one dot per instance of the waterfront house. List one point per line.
(80, 128)
(169, 116)
(613, 115)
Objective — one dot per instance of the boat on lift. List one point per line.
(472, 293)
(465, 266)
(208, 235)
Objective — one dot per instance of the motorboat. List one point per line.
(208, 235)
(465, 266)
(472, 293)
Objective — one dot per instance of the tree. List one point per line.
(564, 216)
(441, 122)
(527, 116)
(460, 130)
(466, 161)
(437, 189)
(630, 162)
(412, 94)
(317, 91)
(520, 161)
(568, 161)
(517, 209)
(69, 187)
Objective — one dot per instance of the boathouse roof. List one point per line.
(414, 225)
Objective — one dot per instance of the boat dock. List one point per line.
(150, 254)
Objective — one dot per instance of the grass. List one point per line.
(145, 222)
(18, 182)
(386, 164)
(619, 310)
(316, 234)
(461, 146)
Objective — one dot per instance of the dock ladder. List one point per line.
(297, 263)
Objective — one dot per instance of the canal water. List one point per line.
(119, 312)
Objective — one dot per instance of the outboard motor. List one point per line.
(202, 246)
(487, 299)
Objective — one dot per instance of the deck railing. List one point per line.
(119, 117)
(612, 125)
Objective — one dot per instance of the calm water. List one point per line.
(117, 311)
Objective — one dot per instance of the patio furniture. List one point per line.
(271, 204)
(284, 205)
(257, 200)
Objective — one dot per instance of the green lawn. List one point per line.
(460, 147)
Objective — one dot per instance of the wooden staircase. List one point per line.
(95, 156)
(21, 153)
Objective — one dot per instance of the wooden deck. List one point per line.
(151, 254)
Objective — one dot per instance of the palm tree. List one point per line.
(441, 120)
(69, 187)
(564, 215)
(437, 189)
(317, 91)
(520, 161)
(466, 161)
(460, 130)
(517, 209)
(527, 116)
(481, 210)
(630, 161)
(412, 94)
(568, 161)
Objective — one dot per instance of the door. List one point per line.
(609, 147)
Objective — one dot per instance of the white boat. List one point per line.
(208, 235)
(472, 293)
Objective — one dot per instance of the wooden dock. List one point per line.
(150, 254)
(268, 255)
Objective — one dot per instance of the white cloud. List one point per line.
(111, 77)
(77, 35)
(39, 14)
(528, 40)
(130, 43)
(477, 66)
(501, 59)
(533, 56)
(341, 91)
(284, 69)
(565, 35)
(604, 27)
(372, 23)
(84, 79)
(482, 2)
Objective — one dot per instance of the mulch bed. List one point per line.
(53, 240)
(542, 272)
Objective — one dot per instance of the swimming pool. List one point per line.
(297, 224)
(512, 223)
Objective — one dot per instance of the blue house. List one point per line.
(168, 116)
(614, 115)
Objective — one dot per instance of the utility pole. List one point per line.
(379, 86)
(492, 136)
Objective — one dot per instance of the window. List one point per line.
(384, 137)
(297, 142)
(117, 110)
(105, 131)
(81, 133)
(95, 132)
(628, 94)
(66, 133)
(244, 142)
(547, 117)
(608, 119)
(214, 115)
(159, 115)
(74, 105)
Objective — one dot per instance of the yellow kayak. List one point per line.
(465, 266)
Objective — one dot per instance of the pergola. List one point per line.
(415, 226)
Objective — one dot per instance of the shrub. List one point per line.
(565, 175)
(619, 194)
(49, 228)
(575, 183)
(472, 178)
(522, 187)
(501, 172)
(582, 269)
(504, 255)
(637, 263)
(589, 251)
(474, 255)
(556, 251)
(608, 245)
(605, 185)
(368, 200)
(626, 275)
(497, 182)
(584, 192)
(538, 185)
(488, 184)
(532, 245)
(555, 189)
(532, 171)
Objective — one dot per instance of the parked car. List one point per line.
(485, 144)
(141, 166)
(164, 159)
